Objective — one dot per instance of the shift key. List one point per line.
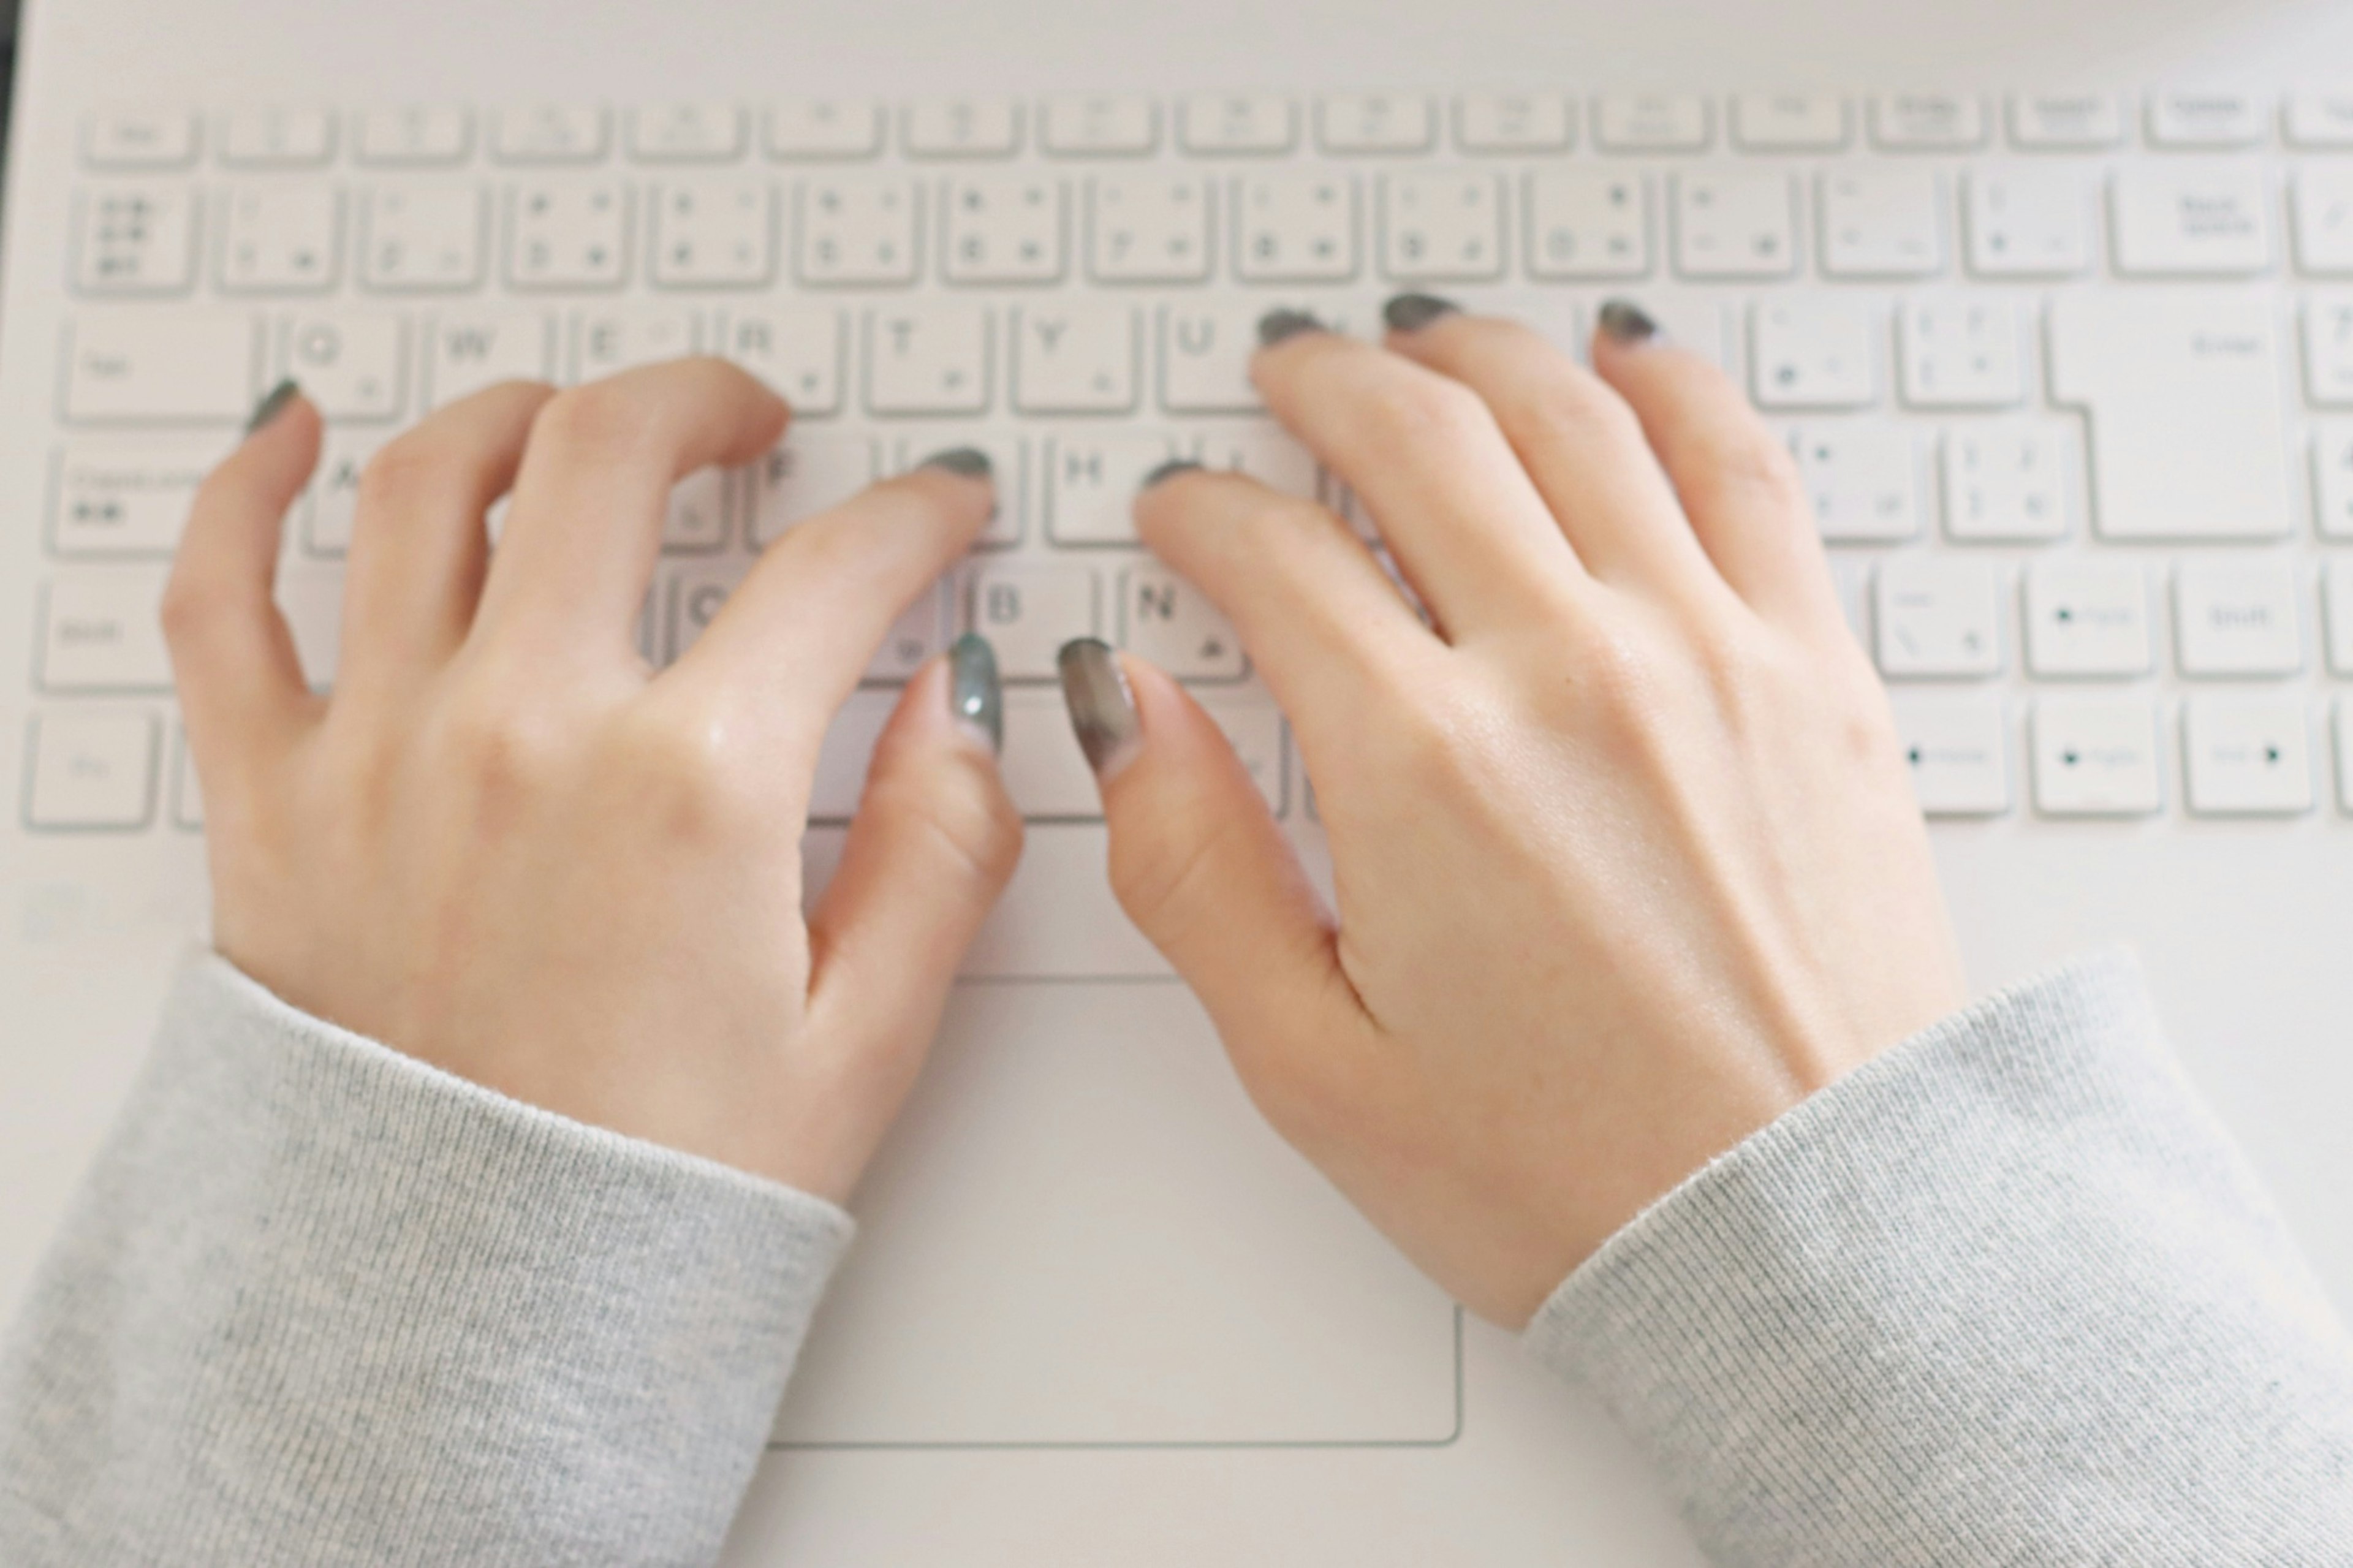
(144, 368)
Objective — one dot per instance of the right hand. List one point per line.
(1627, 860)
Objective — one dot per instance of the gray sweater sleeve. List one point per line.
(321, 1304)
(2006, 1295)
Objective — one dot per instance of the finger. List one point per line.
(1324, 627)
(795, 639)
(935, 841)
(240, 683)
(1738, 483)
(1426, 459)
(589, 503)
(1577, 438)
(418, 542)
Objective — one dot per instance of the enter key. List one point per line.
(2183, 395)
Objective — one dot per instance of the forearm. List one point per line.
(2006, 1294)
(321, 1304)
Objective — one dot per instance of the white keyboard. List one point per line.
(2071, 379)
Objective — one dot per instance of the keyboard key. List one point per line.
(687, 132)
(816, 129)
(312, 602)
(1204, 353)
(281, 239)
(334, 502)
(2328, 350)
(2321, 201)
(100, 632)
(962, 128)
(1814, 350)
(1863, 478)
(1266, 453)
(2087, 618)
(2319, 120)
(1077, 357)
(1441, 228)
(2246, 756)
(1927, 121)
(1734, 225)
(420, 135)
(1589, 223)
(549, 133)
(469, 350)
(797, 350)
(109, 500)
(714, 234)
(1254, 729)
(1512, 123)
(620, 337)
(1652, 123)
(1962, 352)
(1008, 457)
(187, 797)
(1096, 125)
(2202, 219)
(2205, 120)
(2028, 222)
(1351, 122)
(848, 749)
(2008, 480)
(2236, 618)
(423, 239)
(1789, 122)
(90, 770)
(277, 138)
(2337, 611)
(562, 235)
(1002, 228)
(1169, 622)
(2183, 395)
(2096, 756)
(1883, 222)
(696, 519)
(1295, 227)
(354, 367)
(1958, 751)
(1937, 617)
(1029, 609)
(1149, 227)
(1223, 124)
(1044, 771)
(136, 137)
(2332, 478)
(931, 357)
(1092, 482)
(856, 230)
(163, 370)
(812, 471)
(135, 239)
(2052, 122)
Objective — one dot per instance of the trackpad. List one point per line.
(1083, 1233)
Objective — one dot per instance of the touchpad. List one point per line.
(1081, 1233)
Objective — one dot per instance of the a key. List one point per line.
(1883, 222)
(1927, 121)
(858, 230)
(1734, 225)
(687, 132)
(1045, 772)
(1075, 358)
(928, 357)
(469, 350)
(621, 336)
(1962, 352)
(2332, 478)
(797, 350)
(2205, 120)
(1171, 624)
(1029, 609)
(354, 366)
(1149, 227)
(1789, 122)
(139, 137)
(1002, 228)
(112, 499)
(713, 233)
(2087, 618)
(415, 136)
(1814, 350)
(1295, 227)
(335, 497)
(135, 239)
(1100, 125)
(100, 632)
(2328, 350)
(2246, 756)
(2096, 756)
(2321, 202)
(2191, 219)
(310, 600)
(690, 599)
(696, 521)
(1937, 617)
(423, 239)
(2319, 120)
(2008, 480)
(1205, 352)
(1008, 461)
(1229, 123)
(187, 798)
(2028, 222)
(2183, 397)
(1254, 730)
(2337, 611)
(2236, 618)
(1092, 482)
(1441, 227)
(962, 128)
(1589, 223)
(549, 133)
(93, 769)
(567, 234)
(1957, 746)
(1356, 122)
(811, 472)
(281, 239)
(822, 128)
(160, 370)
(2065, 122)
(1863, 478)
(1512, 123)
(1651, 122)
(2343, 728)
(848, 749)
(277, 138)
(1266, 453)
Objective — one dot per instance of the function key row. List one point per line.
(1204, 125)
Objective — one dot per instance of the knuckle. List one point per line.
(1755, 471)
(685, 772)
(405, 473)
(1424, 408)
(507, 746)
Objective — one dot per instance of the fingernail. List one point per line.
(273, 403)
(1168, 470)
(1626, 324)
(1411, 313)
(970, 461)
(1103, 710)
(1277, 325)
(974, 695)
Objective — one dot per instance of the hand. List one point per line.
(1626, 859)
(506, 848)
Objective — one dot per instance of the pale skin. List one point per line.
(1626, 860)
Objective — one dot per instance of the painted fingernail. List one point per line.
(974, 695)
(1626, 324)
(1168, 470)
(1411, 313)
(273, 404)
(1103, 710)
(970, 461)
(1276, 325)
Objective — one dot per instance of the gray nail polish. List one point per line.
(970, 461)
(1626, 324)
(974, 695)
(1168, 470)
(273, 403)
(1103, 710)
(1278, 324)
(1411, 313)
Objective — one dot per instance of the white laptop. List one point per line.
(2055, 303)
